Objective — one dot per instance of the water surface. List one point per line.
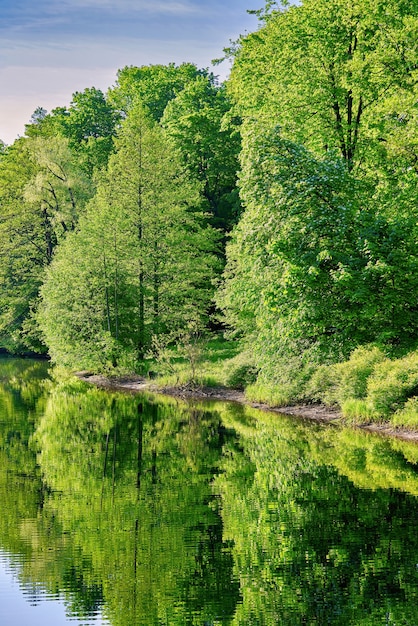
(131, 510)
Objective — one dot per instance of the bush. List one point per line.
(391, 384)
(240, 371)
(323, 384)
(338, 383)
(354, 374)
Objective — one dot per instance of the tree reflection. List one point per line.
(168, 513)
(130, 483)
(310, 547)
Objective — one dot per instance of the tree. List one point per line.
(141, 261)
(195, 120)
(89, 123)
(327, 71)
(60, 187)
(152, 86)
(22, 244)
(324, 257)
(314, 267)
(42, 193)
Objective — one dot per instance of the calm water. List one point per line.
(127, 511)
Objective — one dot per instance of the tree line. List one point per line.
(284, 199)
(113, 212)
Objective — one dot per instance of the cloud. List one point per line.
(52, 48)
(156, 7)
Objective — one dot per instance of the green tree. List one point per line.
(314, 267)
(326, 72)
(22, 245)
(43, 191)
(141, 261)
(195, 120)
(89, 123)
(324, 258)
(152, 86)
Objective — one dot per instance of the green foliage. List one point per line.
(272, 394)
(324, 258)
(240, 371)
(310, 273)
(407, 416)
(44, 190)
(392, 383)
(357, 411)
(140, 262)
(195, 120)
(151, 86)
(348, 380)
(332, 74)
(289, 268)
(89, 123)
(370, 386)
(194, 357)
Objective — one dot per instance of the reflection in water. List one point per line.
(134, 511)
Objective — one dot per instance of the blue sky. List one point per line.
(51, 48)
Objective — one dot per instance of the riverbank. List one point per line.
(316, 412)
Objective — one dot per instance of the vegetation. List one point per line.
(279, 209)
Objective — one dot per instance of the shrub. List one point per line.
(392, 383)
(338, 383)
(354, 373)
(240, 371)
(323, 384)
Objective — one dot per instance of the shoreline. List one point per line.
(315, 412)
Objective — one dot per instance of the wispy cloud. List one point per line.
(155, 7)
(51, 48)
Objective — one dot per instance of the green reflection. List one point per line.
(130, 483)
(310, 546)
(158, 512)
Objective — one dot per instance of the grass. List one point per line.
(200, 363)
(408, 415)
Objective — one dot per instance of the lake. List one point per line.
(140, 510)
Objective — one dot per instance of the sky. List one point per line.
(50, 49)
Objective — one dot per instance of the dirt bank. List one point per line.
(317, 412)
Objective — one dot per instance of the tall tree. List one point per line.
(43, 191)
(196, 121)
(326, 72)
(141, 261)
(315, 267)
(22, 245)
(153, 86)
(89, 123)
(324, 257)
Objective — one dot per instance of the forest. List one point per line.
(259, 233)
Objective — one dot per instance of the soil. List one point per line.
(316, 412)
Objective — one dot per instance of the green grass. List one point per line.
(203, 363)
(408, 415)
(273, 396)
(358, 411)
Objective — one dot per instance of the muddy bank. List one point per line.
(317, 412)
